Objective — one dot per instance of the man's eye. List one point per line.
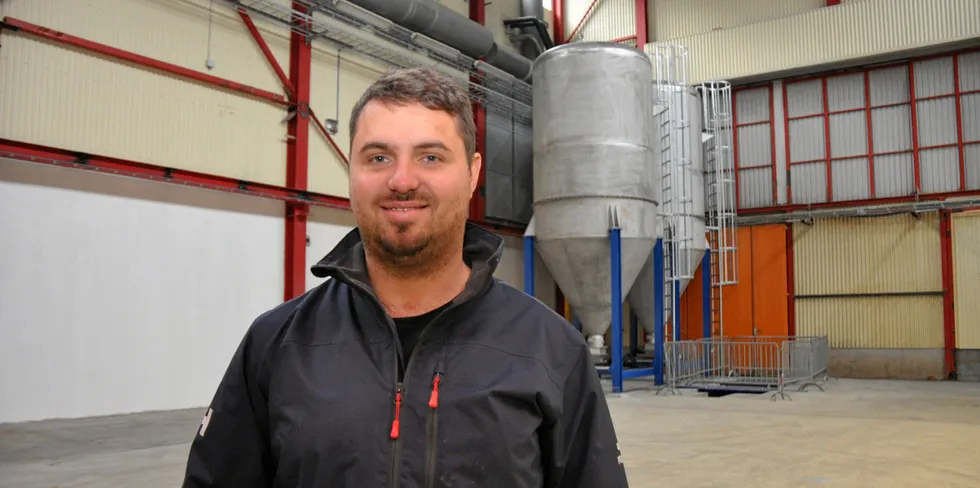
(378, 159)
(432, 158)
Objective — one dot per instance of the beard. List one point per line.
(413, 248)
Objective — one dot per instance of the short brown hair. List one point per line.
(428, 87)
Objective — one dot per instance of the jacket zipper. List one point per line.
(431, 447)
(395, 432)
(400, 379)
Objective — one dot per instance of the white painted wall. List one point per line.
(121, 295)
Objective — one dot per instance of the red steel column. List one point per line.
(478, 207)
(297, 161)
(949, 317)
(641, 23)
(558, 19)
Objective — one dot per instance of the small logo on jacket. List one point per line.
(204, 422)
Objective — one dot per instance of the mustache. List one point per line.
(411, 196)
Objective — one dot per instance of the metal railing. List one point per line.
(747, 364)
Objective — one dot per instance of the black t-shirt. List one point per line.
(410, 328)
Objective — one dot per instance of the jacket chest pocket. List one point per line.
(481, 434)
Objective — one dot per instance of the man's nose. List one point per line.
(404, 178)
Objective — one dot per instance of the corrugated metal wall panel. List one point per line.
(755, 187)
(879, 323)
(672, 19)
(174, 31)
(605, 21)
(894, 175)
(868, 255)
(828, 35)
(848, 134)
(966, 276)
(851, 179)
(754, 144)
(59, 97)
(969, 71)
(840, 264)
(808, 182)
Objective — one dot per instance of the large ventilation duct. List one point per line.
(595, 152)
(447, 26)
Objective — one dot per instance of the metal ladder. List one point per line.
(720, 195)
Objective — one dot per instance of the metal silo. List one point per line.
(595, 154)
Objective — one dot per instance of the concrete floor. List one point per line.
(859, 433)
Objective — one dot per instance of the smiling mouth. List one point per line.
(405, 209)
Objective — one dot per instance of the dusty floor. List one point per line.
(856, 434)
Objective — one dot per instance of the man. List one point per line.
(411, 366)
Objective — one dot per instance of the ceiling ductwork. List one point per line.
(447, 26)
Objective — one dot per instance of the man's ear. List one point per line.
(475, 165)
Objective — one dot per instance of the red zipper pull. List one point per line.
(434, 398)
(395, 424)
(436, 379)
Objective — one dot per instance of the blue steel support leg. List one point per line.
(529, 265)
(616, 275)
(706, 295)
(658, 307)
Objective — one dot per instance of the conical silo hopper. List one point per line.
(593, 149)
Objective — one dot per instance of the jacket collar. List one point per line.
(482, 250)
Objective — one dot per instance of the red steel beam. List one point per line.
(36, 153)
(735, 161)
(264, 46)
(120, 167)
(949, 316)
(326, 136)
(297, 160)
(140, 60)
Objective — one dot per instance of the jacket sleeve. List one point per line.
(231, 446)
(584, 449)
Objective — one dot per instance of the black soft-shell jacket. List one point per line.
(500, 392)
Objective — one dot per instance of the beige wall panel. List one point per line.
(873, 323)
(898, 253)
(496, 13)
(55, 96)
(966, 276)
(852, 30)
(608, 19)
(175, 31)
(460, 6)
(673, 19)
(328, 174)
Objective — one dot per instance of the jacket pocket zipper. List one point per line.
(432, 437)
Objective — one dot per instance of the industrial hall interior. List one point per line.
(761, 216)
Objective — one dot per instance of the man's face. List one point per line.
(410, 184)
